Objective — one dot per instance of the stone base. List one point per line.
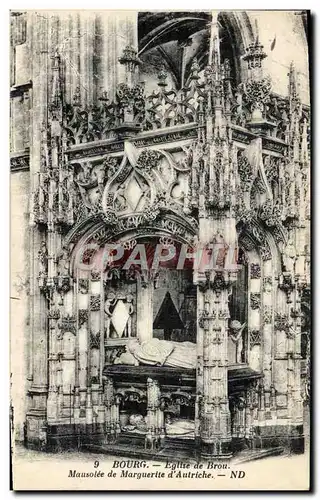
(56, 437)
(289, 437)
(72, 436)
(222, 451)
(35, 430)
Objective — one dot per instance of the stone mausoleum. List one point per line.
(140, 128)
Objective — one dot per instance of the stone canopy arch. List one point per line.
(254, 235)
(95, 234)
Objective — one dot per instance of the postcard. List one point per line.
(160, 250)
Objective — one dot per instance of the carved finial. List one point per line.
(214, 45)
(131, 60)
(77, 96)
(104, 96)
(227, 69)
(254, 55)
(293, 84)
(56, 94)
(195, 68)
(162, 78)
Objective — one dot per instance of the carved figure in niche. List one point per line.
(109, 303)
(127, 330)
(94, 197)
(289, 257)
(164, 170)
(63, 262)
(307, 260)
(120, 200)
(220, 250)
(42, 197)
(235, 333)
(43, 259)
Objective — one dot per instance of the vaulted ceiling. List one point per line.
(174, 39)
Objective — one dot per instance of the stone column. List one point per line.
(152, 439)
(212, 373)
(115, 30)
(38, 355)
(267, 333)
(82, 341)
(216, 197)
(254, 315)
(53, 363)
(87, 34)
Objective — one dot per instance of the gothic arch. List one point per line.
(254, 235)
(97, 234)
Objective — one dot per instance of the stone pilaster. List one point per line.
(215, 431)
(82, 300)
(115, 31)
(152, 440)
(38, 356)
(216, 230)
(267, 317)
(254, 314)
(53, 362)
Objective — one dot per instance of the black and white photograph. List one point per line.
(160, 304)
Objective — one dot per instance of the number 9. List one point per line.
(96, 464)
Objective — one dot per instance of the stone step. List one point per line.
(132, 451)
(251, 455)
(173, 451)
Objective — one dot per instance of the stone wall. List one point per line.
(19, 305)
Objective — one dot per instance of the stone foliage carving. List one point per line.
(67, 324)
(95, 340)
(255, 300)
(281, 322)
(245, 171)
(255, 337)
(83, 285)
(255, 271)
(267, 314)
(95, 302)
(83, 316)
